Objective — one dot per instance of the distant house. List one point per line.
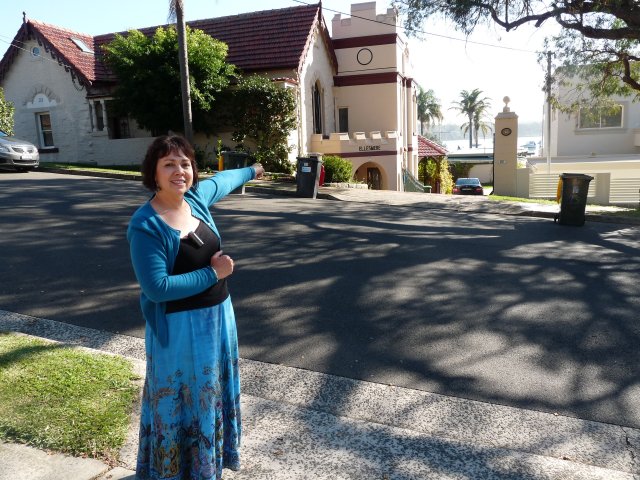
(604, 143)
(596, 131)
(355, 94)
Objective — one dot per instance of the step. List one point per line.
(451, 419)
(287, 442)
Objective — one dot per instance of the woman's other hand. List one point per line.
(259, 170)
(222, 264)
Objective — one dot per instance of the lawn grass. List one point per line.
(488, 188)
(59, 398)
(624, 212)
(633, 213)
(129, 169)
(503, 198)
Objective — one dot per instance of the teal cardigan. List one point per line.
(154, 246)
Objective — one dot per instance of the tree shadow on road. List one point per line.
(518, 312)
(69, 258)
(459, 317)
(523, 313)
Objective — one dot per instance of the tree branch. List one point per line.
(627, 11)
(628, 77)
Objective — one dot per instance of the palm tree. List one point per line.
(480, 123)
(176, 10)
(429, 109)
(469, 103)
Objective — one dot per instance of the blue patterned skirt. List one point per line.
(190, 424)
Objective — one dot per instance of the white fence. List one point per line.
(625, 191)
(604, 189)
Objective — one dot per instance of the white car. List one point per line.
(18, 154)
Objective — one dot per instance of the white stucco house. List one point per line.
(603, 143)
(595, 131)
(375, 98)
(356, 97)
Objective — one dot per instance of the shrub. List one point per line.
(436, 172)
(6, 114)
(336, 169)
(265, 113)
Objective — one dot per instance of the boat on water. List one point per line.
(529, 148)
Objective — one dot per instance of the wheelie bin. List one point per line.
(307, 176)
(232, 160)
(572, 195)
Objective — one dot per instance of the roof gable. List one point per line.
(62, 45)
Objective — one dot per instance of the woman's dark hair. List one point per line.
(161, 147)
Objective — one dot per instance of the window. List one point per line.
(600, 117)
(343, 120)
(317, 108)
(44, 130)
(81, 45)
(97, 105)
(118, 126)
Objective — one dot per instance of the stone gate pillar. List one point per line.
(505, 152)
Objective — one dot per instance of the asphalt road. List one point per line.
(511, 310)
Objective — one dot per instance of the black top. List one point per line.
(194, 255)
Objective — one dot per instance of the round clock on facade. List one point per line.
(364, 56)
(506, 132)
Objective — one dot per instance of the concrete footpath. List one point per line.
(299, 424)
(306, 425)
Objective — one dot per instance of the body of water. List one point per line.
(486, 145)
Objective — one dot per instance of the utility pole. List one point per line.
(183, 57)
(548, 139)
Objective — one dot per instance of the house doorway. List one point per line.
(374, 178)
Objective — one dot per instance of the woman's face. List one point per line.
(174, 173)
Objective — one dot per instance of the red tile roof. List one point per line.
(429, 148)
(268, 40)
(258, 41)
(88, 65)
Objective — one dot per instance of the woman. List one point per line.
(190, 424)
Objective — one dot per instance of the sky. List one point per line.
(443, 60)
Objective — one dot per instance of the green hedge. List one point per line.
(336, 169)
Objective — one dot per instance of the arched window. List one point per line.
(316, 98)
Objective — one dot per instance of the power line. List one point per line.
(15, 44)
(483, 44)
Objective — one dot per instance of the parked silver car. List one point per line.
(18, 154)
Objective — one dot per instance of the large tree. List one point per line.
(6, 114)
(149, 79)
(474, 107)
(598, 48)
(429, 109)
